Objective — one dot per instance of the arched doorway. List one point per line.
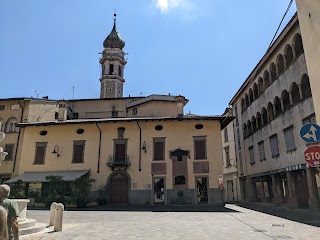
(119, 188)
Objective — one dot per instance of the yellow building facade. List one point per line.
(140, 150)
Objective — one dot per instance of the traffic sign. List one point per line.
(310, 133)
(312, 155)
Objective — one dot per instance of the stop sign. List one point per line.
(312, 155)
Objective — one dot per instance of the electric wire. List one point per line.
(288, 8)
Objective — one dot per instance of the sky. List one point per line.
(201, 49)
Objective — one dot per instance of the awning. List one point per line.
(28, 177)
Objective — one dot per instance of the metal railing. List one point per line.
(115, 161)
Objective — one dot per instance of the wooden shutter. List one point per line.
(40, 152)
(158, 150)
(200, 148)
(78, 153)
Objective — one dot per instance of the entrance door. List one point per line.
(158, 188)
(119, 188)
(230, 190)
(202, 189)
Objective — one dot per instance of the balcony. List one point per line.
(118, 162)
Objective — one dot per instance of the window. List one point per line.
(289, 138)
(305, 86)
(40, 153)
(226, 139)
(78, 151)
(56, 115)
(9, 149)
(134, 111)
(75, 115)
(200, 148)
(240, 161)
(180, 180)
(114, 113)
(261, 151)
(111, 69)
(14, 107)
(158, 149)
(251, 154)
(226, 150)
(310, 119)
(295, 92)
(2, 125)
(11, 125)
(274, 146)
(2, 107)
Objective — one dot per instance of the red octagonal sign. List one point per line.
(312, 155)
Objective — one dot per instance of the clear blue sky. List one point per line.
(202, 49)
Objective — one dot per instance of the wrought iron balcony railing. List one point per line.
(115, 161)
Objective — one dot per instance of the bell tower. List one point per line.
(112, 65)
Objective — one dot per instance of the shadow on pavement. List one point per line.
(156, 208)
(305, 216)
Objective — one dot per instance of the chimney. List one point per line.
(181, 102)
(63, 110)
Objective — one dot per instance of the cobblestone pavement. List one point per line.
(237, 223)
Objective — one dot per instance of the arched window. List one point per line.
(270, 111)
(111, 69)
(242, 105)
(254, 124)
(288, 55)
(249, 127)
(245, 130)
(266, 79)
(277, 105)
(11, 125)
(297, 44)
(295, 95)
(119, 71)
(260, 83)
(255, 91)
(250, 96)
(2, 125)
(264, 116)
(273, 72)
(305, 86)
(280, 64)
(246, 99)
(285, 99)
(259, 122)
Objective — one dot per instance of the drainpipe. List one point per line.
(16, 152)
(98, 167)
(139, 148)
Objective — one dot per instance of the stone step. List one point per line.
(39, 227)
(27, 223)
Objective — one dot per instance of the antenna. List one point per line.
(141, 93)
(37, 92)
(73, 88)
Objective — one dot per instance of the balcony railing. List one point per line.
(115, 161)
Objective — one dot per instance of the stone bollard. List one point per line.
(58, 217)
(52, 213)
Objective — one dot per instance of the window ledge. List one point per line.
(263, 159)
(275, 156)
(291, 150)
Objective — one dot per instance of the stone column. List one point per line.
(293, 203)
(312, 201)
(274, 188)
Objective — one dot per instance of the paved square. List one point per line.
(240, 223)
